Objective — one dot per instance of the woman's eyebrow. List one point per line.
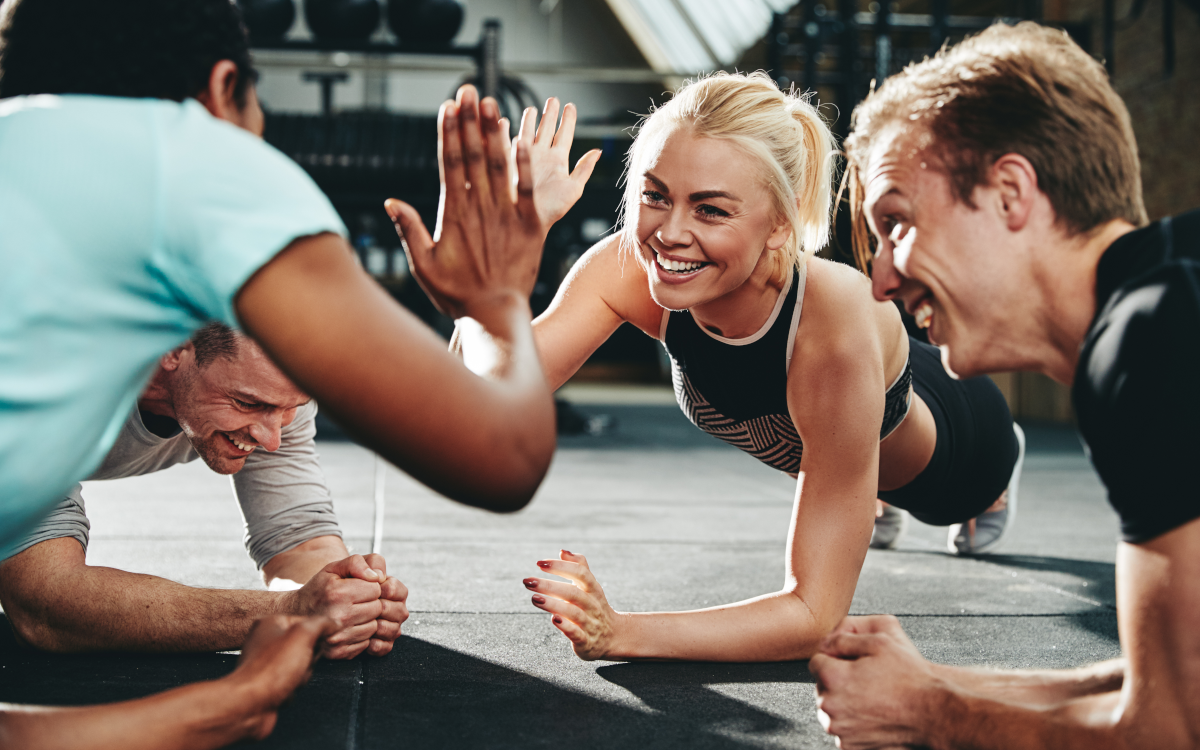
(706, 194)
(659, 183)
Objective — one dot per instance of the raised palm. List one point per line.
(555, 186)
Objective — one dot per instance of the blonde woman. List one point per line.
(782, 354)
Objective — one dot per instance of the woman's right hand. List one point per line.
(580, 610)
(489, 241)
(555, 186)
(276, 659)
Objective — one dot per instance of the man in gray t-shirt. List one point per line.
(221, 399)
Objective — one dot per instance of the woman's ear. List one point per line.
(779, 236)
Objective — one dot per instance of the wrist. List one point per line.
(495, 311)
(622, 640)
(939, 711)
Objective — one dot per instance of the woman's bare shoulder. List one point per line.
(842, 320)
(615, 275)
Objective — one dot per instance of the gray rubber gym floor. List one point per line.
(669, 519)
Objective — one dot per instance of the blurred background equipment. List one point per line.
(352, 87)
(425, 23)
(342, 20)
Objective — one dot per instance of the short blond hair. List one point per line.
(1024, 89)
(783, 132)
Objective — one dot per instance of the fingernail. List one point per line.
(530, 583)
(380, 573)
(539, 599)
(568, 552)
(543, 564)
(557, 620)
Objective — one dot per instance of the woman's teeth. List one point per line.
(676, 266)
(924, 314)
(240, 446)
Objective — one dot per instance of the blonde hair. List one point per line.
(1024, 89)
(782, 131)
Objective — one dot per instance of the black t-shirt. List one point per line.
(1137, 386)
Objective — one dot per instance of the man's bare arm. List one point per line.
(875, 689)
(1044, 687)
(276, 659)
(56, 602)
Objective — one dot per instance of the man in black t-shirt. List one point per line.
(996, 192)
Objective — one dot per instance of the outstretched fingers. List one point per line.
(546, 130)
(450, 154)
(526, 207)
(413, 234)
(565, 135)
(495, 134)
(474, 153)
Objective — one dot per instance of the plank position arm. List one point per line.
(889, 695)
(276, 658)
(833, 516)
(56, 602)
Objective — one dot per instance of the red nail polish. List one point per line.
(530, 583)
(557, 620)
(568, 552)
(539, 599)
(543, 564)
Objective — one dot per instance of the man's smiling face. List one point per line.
(953, 266)
(230, 407)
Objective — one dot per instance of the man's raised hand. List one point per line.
(488, 243)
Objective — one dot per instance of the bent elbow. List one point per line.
(34, 632)
(515, 465)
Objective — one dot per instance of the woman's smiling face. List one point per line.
(705, 221)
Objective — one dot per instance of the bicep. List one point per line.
(599, 294)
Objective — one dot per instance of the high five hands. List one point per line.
(579, 608)
(492, 218)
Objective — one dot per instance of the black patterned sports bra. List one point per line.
(736, 389)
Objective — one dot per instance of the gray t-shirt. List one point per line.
(283, 495)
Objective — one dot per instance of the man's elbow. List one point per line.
(36, 631)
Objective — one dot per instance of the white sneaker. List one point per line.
(991, 528)
(889, 527)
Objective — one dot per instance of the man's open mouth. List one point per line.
(237, 443)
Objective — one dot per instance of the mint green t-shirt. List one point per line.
(125, 225)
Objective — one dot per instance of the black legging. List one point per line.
(976, 448)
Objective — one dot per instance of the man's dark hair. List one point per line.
(215, 340)
(162, 49)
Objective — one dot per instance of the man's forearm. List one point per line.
(1038, 687)
(96, 608)
(958, 719)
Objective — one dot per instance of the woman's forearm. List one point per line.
(195, 717)
(773, 627)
